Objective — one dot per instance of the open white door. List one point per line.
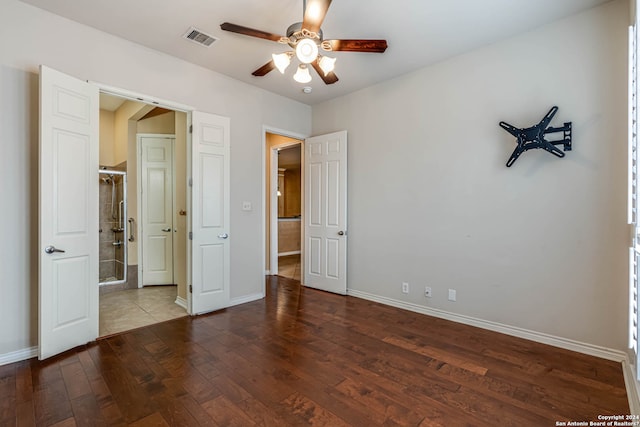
(68, 238)
(210, 261)
(325, 231)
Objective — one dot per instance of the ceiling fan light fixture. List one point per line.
(302, 75)
(281, 60)
(327, 64)
(307, 51)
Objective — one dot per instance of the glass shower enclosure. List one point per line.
(113, 227)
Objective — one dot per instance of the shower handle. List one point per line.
(52, 249)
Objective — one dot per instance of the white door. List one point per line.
(325, 231)
(68, 238)
(156, 190)
(210, 219)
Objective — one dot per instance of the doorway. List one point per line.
(149, 143)
(284, 206)
(69, 148)
(323, 219)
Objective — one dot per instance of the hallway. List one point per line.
(289, 267)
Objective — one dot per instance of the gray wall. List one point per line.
(92, 55)
(541, 245)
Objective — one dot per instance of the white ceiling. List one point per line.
(419, 33)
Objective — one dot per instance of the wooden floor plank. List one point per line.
(51, 403)
(305, 357)
(75, 380)
(226, 413)
(86, 411)
(310, 413)
(196, 410)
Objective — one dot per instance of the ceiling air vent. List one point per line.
(199, 37)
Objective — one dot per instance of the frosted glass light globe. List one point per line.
(306, 51)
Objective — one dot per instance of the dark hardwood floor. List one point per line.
(304, 357)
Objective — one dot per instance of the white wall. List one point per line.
(541, 245)
(89, 54)
(107, 138)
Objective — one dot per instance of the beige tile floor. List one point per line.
(289, 266)
(133, 308)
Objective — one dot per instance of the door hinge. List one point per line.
(190, 182)
(190, 289)
(190, 128)
(191, 235)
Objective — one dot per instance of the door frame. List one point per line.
(171, 105)
(273, 217)
(271, 195)
(174, 219)
(95, 90)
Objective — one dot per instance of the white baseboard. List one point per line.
(631, 384)
(182, 302)
(246, 299)
(18, 356)
(567, 344)
(289, 253)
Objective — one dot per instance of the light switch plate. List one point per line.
(246, 206)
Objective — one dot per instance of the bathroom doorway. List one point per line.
(125, 301)
(284, 206)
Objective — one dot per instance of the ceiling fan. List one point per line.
(306, 39)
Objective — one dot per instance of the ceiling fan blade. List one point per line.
(314, 14)
(329, 79)
(373, 46)
(264, 69)
(227, 26)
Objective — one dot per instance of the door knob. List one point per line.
(223, 235)
(52, 249)
(341, 233)
(166, 230)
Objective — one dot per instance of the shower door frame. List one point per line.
(125, 231)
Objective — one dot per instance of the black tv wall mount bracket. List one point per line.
(534, 137)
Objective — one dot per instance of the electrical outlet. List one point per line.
(405, 287)
(427, 291)
(452, 294)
